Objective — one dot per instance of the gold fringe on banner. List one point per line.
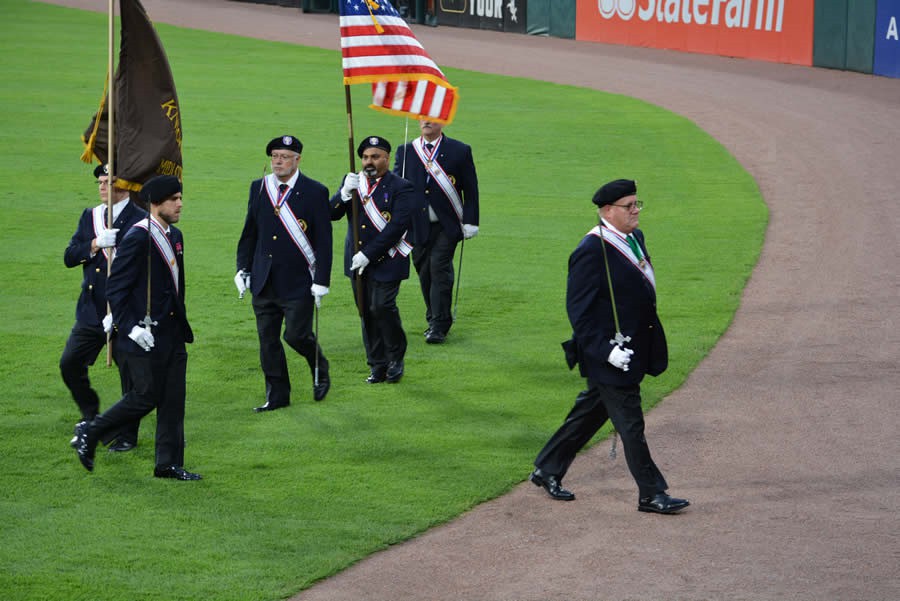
(88, 155)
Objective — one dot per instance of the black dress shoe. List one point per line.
(435, 337)
(269, 407)
(394, 372)
(377, 375)
(79, 427)
(321, 389)
(176, 472)
(662, 503)
(551, 485)
(427, 331)
(85, 446)
(121, 446)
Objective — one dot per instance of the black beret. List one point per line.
(613, 191)
(373, 142)
(159, 188)
(286, 142)
(101, 170)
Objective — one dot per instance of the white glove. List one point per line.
(359, 261)
(107, 323)
(469, 231)
(620, 357)
(318, 292)
(242, 281)
(143, 337)
(107, 238)
(351, 183)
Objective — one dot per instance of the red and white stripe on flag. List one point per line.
(424, 99)
(378, 47)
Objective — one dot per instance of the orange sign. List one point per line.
(772, 30)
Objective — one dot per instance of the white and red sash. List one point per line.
(434, 169)
(619, 242)
(163, 245)
(100, 227)
(365, 193)
(289, 220)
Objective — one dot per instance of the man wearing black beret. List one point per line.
(149, 309)
(617, 338)
(92, 246)
(284, 258)
(376, 253)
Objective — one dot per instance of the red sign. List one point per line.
(772, 30)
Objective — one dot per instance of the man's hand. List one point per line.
(242, 281)
(351, 183)
(469, 231)
(107, 238)
(359, 261)
(107, 323)
(620, 357)
(142, 337)
(318, 292)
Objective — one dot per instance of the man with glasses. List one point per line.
(617, 339)
(284, 259)
(92, 247)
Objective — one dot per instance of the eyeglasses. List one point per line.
(638, 204)
(283, 157)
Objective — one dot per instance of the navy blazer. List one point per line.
(267, 250)
(455, 158)
(394, 198)
(91, 307)
(590, 313)
(127, 291)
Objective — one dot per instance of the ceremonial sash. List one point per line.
(403, 247)
(434, 169)
(100, 227)
(289, 220)
(619, 243)
(164, 246)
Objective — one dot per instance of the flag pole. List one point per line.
(111, 156)
(354, 200)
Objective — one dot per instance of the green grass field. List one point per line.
(291, 497)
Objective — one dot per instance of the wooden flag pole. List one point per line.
(111, 157)
(354, 204)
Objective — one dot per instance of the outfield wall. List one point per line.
(854, 35)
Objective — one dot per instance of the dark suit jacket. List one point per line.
(455, 158)
(590, 313)
(268, 252)
(394, 197)
(91, 307)
(127, 291)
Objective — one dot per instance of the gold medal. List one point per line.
(278, 210)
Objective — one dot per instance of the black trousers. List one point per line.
(592, 408)
(297, 318)
(382, 329)
(82, 348)
(434, 264)
(158, 382)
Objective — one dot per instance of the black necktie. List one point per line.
(429, 146)
(282, 188)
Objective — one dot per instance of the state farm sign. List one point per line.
(775, 30)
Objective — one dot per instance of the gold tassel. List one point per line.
(88, 155)
(370, 4)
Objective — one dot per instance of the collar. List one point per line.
(613, 228)
(291, 182)
(119, 207)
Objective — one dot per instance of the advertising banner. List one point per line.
(499, 15)
(887, 38)
(772, 30)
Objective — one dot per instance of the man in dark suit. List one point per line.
(152, 351)
(617, 339)
(442, 172)
(376, 253)
(286, 246)
(92, 247)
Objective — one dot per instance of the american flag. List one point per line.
(378, 47)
